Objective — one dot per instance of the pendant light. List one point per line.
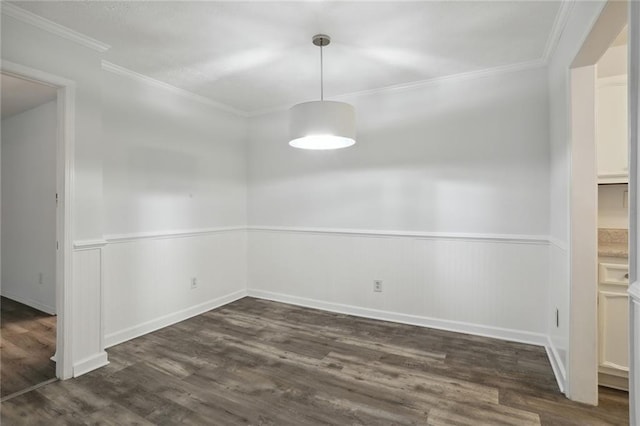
(322, 124)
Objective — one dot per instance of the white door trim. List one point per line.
(634, 211)
(582, 365)
(64, 224)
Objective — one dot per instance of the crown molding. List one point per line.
(562, 17)
(559, 24)
(30, 18)
(27, 17)
(117, 69)
(470, 75)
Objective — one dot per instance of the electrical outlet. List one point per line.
(40, 278)
(194, 283)
(377, 286)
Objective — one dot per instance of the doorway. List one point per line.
(28, 246)
(599, 168)
(43, 261)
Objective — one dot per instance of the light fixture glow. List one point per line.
(322, 142)
(322, 124)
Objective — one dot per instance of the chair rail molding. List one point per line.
(508, 238)
(177, 233)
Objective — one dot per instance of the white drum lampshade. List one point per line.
(322, 125)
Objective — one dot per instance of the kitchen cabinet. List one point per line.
(611, 130)
(613, 322)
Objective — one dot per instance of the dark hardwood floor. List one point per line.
(27, 342)
(264, 363)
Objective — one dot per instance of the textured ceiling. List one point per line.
(20, 95)
(258, 55)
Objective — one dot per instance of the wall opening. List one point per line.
(584, 355)
(59, 108)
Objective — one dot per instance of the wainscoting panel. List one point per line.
(87, 321)
(481, 285)
(149, 282)
(557, 319)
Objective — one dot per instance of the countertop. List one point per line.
(613, 242)
(613, 250)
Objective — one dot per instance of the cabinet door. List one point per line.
(614, 274)
(611, 131)
(614, 330)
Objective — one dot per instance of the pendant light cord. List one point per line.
(321, 76)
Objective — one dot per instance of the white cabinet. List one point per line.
(611, 130)
(614, 330)
(613, 323)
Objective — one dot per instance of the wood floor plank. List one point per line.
(255, 362)
(116, 415)
(451, 413)
(27, 342)
(549, 408)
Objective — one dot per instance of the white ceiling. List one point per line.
(20, 95)
(254, 56)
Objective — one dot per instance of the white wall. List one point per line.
(172, 165)
(613, 206)
(64, 58)
(457, 156)
(461, 156)
(579, 23)
(30, 46)
(28, 207)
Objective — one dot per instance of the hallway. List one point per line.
(27, 342)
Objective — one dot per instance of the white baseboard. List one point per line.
(556, 364)
(30, 302)
(138, 330)
(89, 364)
(538, 339)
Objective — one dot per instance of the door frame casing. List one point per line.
(582, 359)
(65, 139)
(634, 211)
(582, 354)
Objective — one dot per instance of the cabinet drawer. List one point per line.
(612, 273)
